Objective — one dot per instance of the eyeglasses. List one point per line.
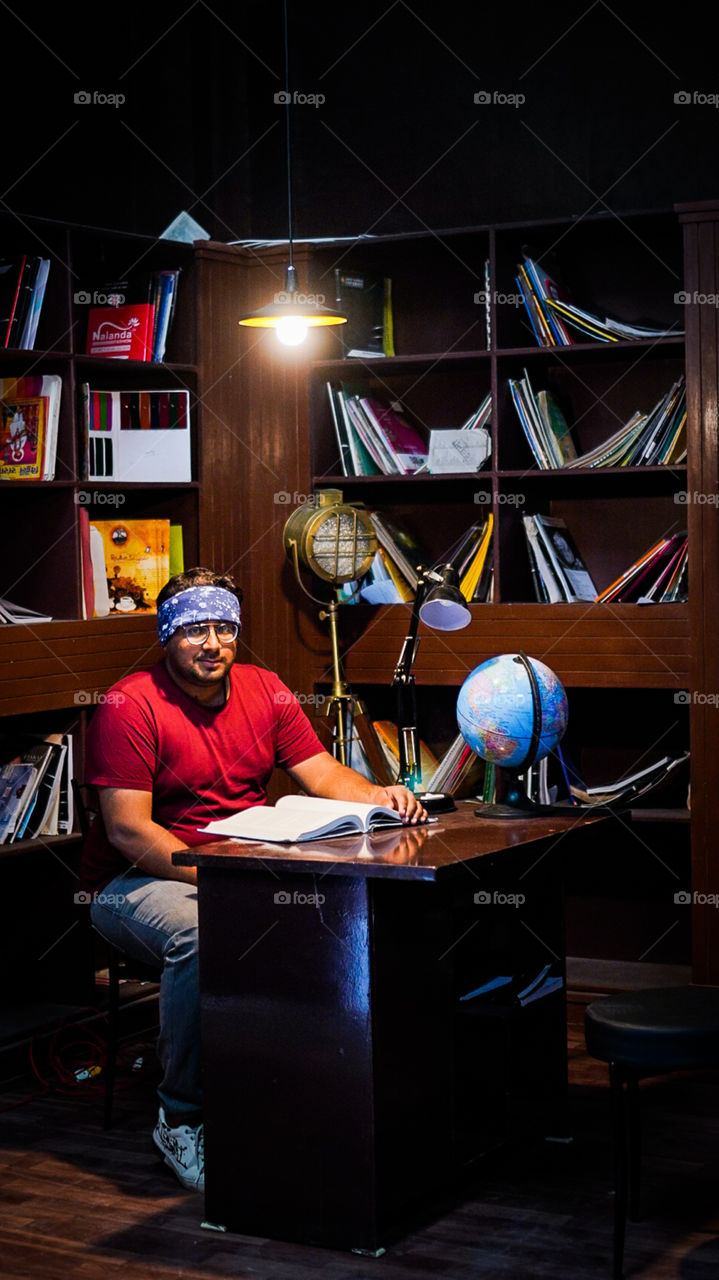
(198, 632)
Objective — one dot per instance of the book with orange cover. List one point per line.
(630, 575)
(137, 562)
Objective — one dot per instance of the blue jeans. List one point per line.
(156, 920)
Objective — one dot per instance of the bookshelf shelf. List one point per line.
(581, 350)
(669, 473)
(141, 368)
(390, 364)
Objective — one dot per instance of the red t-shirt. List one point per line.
(199, 763)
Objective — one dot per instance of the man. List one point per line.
(193, 739)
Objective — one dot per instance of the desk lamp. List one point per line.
(438, 603)
(337, 542)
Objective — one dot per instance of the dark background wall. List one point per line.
(399, 144)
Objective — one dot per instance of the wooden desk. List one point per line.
(347, 1085)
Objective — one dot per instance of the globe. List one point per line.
(496, 711)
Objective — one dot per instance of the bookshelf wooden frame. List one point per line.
(264, 443)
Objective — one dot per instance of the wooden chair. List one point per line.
(640, 1034)
(120, 967)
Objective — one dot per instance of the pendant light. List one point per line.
(291, 313)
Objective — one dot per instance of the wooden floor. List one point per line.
(78, 1202)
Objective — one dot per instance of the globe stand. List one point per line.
(513, 802)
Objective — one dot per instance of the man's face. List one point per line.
(200, 666)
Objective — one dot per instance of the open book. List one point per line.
(297, 818)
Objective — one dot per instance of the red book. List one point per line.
(124, 332)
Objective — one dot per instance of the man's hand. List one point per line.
(322, 775)
(408, 806)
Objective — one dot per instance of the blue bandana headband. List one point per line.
(196, 604)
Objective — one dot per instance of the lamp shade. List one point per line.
(311, 314)
(444, 607)
(292, 313)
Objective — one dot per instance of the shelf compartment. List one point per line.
(600, 513)
(596, 395)
(628, 269)
(436, 286)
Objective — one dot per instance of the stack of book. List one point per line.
(559, 573)
(646, 439)
(36, 790)
(373, 438)
(459, 772)
(481, 417)
(472, 559)
(23, 281)
(659, 576)
(394, 575)
(545, 427)
(402, 548)
(17, 613)
(164, 298)
(657, 438)
(384, 583)
(536, 286)
(631, 786)
(553, 315)
(29, 418)
(134, 322)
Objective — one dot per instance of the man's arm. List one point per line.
(127, 816)
(322, 775)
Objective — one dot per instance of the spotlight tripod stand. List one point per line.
(347, 715)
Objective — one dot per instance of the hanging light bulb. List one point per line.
(291, 330)
(291, 314)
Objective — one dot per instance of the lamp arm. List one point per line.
(410, 645)
(410, 769)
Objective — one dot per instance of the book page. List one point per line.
(327, 809)
(297, 818)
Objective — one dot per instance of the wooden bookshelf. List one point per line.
(627, 668)
(53, 674)
(264, 442)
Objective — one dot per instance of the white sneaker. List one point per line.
(184, 1151)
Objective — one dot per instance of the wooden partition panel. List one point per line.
(701, 287)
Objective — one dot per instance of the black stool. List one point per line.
(646, 1033)
(120, 966)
